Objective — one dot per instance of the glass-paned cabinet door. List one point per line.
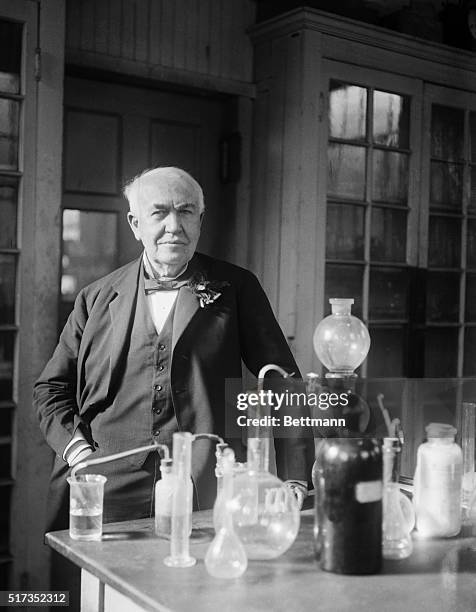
(11, 101)
(372, 128)
(16, 159)
(448, 233)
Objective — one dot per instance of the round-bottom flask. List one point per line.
(264, 511)
(265, 514)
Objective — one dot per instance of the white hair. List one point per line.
(132, 188)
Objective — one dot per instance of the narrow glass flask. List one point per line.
(226, 556)
(180, 528)
(398, 516)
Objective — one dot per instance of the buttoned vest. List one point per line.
(142, 411)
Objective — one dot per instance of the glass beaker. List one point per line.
(86, 496)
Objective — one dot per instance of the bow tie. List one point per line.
(151, 285)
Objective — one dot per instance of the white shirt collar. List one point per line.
(152, 274)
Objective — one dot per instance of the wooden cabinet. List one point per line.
(364, 186)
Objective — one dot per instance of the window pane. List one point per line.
(347, 111)
(5, 519)
(472, 128)
(472, 197)
(7, 289)
(5, 462)
(471, 244)
(7, 339)
(10, 56)
(6, 421)
(446, 185)
(389, 235)
(386, 355)
(89, 252)
(345, 232)
(390, 180)
(9, 122)
(346, 171)
(442, 296)
(444, 247)
(469, 364)
(388, 293)
(8, 212)
(344, 282)
(391, 119)
(441, 352)
(447, 132)
(470, 310)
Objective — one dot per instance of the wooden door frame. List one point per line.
(37, 277)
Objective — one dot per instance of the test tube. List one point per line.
(467, 432)
(219, 465)
(180, 532)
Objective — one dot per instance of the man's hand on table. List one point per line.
(299, 489)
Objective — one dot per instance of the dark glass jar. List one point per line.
(348, 510)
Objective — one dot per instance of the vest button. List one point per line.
(161, 368)
(162, 347)
(156, 432)
(158, 387)
(157, 410)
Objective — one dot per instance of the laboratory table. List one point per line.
(125, 573)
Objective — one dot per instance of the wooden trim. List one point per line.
(173, 76)
(243, 188)
(15, 11)
(367, 34)
(312, 210)
(40, 199)
(363, 44)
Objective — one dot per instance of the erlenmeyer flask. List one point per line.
(226, 556)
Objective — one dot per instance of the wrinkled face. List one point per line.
(167, 220)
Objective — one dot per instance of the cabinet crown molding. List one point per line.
(313, 20)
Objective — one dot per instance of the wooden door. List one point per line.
(113, 132)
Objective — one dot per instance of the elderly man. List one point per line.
(146, 352)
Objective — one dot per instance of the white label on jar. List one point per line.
(370, 491)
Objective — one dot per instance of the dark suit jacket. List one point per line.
(208, 345)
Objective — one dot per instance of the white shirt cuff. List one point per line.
(78, 437)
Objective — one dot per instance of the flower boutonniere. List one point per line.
(206, 291)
